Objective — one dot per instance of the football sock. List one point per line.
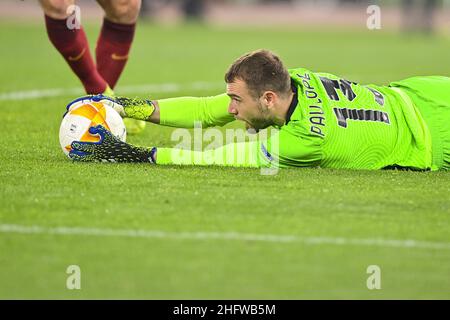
(113, 46)
(74, 47)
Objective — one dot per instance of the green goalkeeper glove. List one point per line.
(136, 108)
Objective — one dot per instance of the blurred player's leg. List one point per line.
(193, 9)
(72, 44)
(114, 43)
(429, 8)
(116, 36)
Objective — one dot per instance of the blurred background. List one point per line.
(181, 41)
(183, 47)
(407, 15)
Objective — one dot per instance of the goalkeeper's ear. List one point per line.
(269, 99)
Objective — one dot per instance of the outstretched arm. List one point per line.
(281, 149)
(180, 112)
(185, 111)
(111, 149)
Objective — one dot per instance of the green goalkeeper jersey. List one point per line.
(331, 123)
(341, 124)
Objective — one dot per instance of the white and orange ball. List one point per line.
(83, 115)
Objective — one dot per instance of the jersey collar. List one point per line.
(294, 102)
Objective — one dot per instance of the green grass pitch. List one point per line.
(359, 212)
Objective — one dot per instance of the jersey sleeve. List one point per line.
(291, 148)
(183, 112)
(240, 154)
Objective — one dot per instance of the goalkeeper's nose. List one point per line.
(232, 110)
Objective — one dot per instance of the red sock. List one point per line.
(74, 47)
(112, 49)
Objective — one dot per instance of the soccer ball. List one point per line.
(85, 114)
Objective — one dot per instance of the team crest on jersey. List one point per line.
(266, 153)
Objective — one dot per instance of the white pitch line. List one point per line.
(145, 88)
(234, 236)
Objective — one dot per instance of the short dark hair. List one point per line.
(261, 70)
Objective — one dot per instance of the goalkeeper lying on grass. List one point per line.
(323, 120)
